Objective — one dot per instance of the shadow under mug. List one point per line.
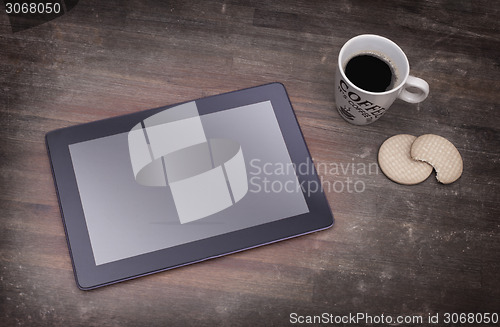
(362, 107)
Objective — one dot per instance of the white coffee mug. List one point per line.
(362, 107)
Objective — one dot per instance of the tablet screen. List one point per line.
(179, 177)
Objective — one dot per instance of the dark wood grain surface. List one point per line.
(394, 250)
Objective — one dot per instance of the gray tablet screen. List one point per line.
(179, 177)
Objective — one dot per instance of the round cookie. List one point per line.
(396, 163)
(441, 154)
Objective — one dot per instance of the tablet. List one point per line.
(170, 186)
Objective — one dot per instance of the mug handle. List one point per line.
(415, 83)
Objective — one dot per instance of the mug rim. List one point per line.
(396, 88)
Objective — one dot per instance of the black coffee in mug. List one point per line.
(370, 73)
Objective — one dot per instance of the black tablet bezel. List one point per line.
(88, 275)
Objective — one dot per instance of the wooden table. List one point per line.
(394, 250)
